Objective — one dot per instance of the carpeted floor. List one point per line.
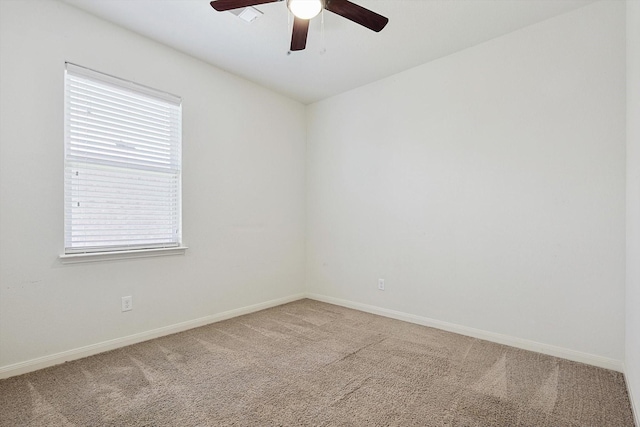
(314, 364)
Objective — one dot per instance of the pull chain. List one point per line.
(323, 47)
(289, 28)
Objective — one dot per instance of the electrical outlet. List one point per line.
(381, 284)
(127, 303)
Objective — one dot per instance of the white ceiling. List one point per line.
(418, 31)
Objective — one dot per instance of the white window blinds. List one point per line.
(122, 164)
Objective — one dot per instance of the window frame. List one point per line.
(111, 251)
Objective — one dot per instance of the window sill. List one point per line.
(109, 256)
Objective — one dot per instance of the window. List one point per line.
(122, 165)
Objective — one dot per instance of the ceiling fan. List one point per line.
(304, 10)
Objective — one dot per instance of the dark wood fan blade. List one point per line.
(222, 5)
(299, 34)
(357, 14)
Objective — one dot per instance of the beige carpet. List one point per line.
(310, 363)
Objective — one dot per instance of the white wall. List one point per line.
(487, 187)
(243, 149)
(632, 359)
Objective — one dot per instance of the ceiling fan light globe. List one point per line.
(305, 9)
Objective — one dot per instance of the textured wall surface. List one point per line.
(243, 190)
(487, 187)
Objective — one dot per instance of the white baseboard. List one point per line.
(634, 408)
(78, 353)
(576, 356)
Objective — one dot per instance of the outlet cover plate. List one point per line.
(127, 303)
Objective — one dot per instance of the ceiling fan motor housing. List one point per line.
(304, 10)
